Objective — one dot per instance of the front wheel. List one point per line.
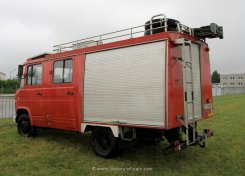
(24, 126)
(104, 143)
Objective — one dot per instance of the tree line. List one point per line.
(9, 86)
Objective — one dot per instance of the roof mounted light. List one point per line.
(211, 31)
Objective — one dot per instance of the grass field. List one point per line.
(64, 153)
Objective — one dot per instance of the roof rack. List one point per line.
(131, 33)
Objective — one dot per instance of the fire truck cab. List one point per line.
(133, 84)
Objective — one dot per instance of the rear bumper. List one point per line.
(199, 140)
(207, 133)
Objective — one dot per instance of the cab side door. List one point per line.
(37, 94)
(63, 95)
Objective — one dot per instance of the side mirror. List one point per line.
(20, 70)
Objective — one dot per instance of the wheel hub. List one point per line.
(104, 142)
(25, 127)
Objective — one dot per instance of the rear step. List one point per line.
(179, 146)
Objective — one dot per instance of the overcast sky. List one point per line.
(31, 27)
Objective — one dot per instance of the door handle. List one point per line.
(39, 94)
(69, 93)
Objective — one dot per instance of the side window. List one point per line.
(68, 71)
(58, 72)
(62, 71)
(34, 74)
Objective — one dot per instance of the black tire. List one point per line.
(24, 126)
(104, 143)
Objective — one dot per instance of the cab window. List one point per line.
(62, 71)
(34, 74)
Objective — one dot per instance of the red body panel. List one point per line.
(56, 109)
(206, 80)
(175, 87)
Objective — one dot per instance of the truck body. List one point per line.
(153, 84)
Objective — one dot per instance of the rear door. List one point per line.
(63, 95)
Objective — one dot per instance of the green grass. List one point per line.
(64, 153)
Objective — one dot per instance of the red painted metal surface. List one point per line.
(57, 109)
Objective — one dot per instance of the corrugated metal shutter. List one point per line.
(126, 85)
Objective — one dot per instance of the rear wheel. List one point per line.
(24, 126)
(104, 143)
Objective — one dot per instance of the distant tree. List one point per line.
(8, 86)
(215, 77)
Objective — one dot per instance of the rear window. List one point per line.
(62, 71)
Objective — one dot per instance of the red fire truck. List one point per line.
(150, 82)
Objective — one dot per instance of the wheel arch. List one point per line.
(23, 110)
(85, 127)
